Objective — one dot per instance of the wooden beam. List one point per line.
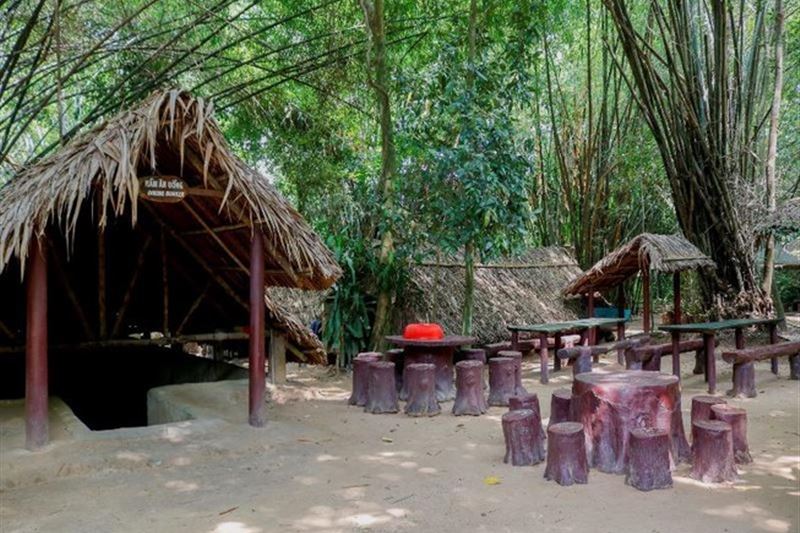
(101, 284)
(164, 283)
(193, 308)
(216, 238)
(71, 296)
(218, 229)
(198, 259)
(126, 299)
(36, 378)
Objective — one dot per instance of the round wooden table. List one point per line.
(610, 405)
(440, 353)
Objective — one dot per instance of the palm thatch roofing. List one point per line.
(94, 186)
(785, 219)
(659, 253)
(519, 290)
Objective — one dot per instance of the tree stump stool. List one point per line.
(737, 418)
(524, 401)
(566, 454)
(360, 377)
(517, 357)
(421, 386)
(381, 391)
(649, 461)
(476, 354)
(560, 407)
(712, 452)
(522, 431)
(502, 380)
(397, 356)
(701, 407)
(611, 405)
(469, 389)
(410, 359)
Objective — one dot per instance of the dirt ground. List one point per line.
(321, 466)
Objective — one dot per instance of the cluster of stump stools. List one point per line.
(380, 381)
(719, 443)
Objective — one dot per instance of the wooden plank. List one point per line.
(216, 238)
(218, 229)
(277, 357)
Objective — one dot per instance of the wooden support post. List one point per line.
(257, 379)
(676, 298)
(543, 358)
(36, 423)
(515, 340)
(711, 364)
(164, 283)
(646, 311)
(277, 357)
(738, 336)
(676, 354)
(101, 284)
(590, 304)
(773, 339)
(557, 347)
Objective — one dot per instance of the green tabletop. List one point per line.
(572, 325)
(712, 327)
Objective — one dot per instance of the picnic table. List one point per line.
(437, 351)
(709, 331)
(583, 326)
(611, 405)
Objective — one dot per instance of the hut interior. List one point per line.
(154, 236)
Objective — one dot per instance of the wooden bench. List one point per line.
(744, 375)
(648, 357)
(527, 345)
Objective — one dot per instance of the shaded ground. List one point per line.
(321, 466)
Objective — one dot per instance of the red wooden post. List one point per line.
(543, 358)
(738, 335)
(773, 339)
(515, 340)
(676, 354)
(590, 314)
(257, 334)
(676, 298)
(646, 298)
(36, 423)
(556, 347)
(711, 363)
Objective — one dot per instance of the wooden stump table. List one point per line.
(439, 352)
(611, 405)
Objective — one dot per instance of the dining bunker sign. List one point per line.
(162, 188)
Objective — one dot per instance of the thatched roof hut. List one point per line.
(523, 289)
(785, 219)
(658, 253)
(148, 219)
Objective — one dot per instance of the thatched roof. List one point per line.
(659, 253)
(296, 331)
(189, 259)
(519, 290)
(101, 168)
(785, 219)
(788, 256)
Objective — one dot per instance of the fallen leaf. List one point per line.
(386, 439)
(232, 509)
(491, 480)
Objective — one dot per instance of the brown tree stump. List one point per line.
(477, 354)
(649, 461)
(517, 357)
(411, 358)
(522, 430)
(421, 386)
(701, 407)
(502, 380)
(469, 389)
(611, 405)
(525, 401)
(566, 454)
(360, 377)
(712, 452)
(381, 391)
(737, 418)
(397, 356)
(560, 407)
(744, 380)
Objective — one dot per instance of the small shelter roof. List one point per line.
(659, 253)
(170, 133)
(785, 219)
(515, 290)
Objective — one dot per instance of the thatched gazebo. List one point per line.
(519, 290)
(645, 253)
(148, 222)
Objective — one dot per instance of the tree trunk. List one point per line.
(378, 79)
(772, 145)
(469, 288)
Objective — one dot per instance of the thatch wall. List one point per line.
(659, 253)
(520, 290)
